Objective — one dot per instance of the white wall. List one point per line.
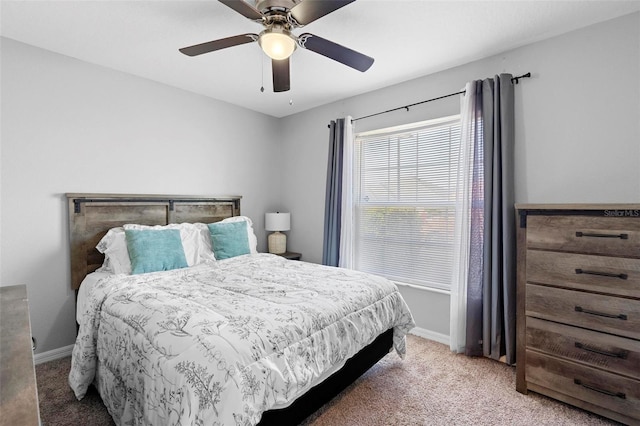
(69, 126)
(577, 132)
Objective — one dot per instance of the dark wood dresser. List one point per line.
(578, 306)
(18, 391)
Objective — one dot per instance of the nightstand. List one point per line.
(291, 255)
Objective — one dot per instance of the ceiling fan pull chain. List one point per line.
(261, 72)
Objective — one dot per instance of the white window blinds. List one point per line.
(404, 201)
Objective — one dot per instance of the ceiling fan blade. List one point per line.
(309, 10)
(281, 80)
(222, 43)
(335, 51)
(244, 9)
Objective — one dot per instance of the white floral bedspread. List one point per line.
(221, 343)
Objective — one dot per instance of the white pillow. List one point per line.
(253, 241)
(205, 250)
(116, 255)
(195, 239)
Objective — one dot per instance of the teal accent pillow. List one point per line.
(229, 239)
(152, 250)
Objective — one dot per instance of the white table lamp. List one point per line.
(277, 222)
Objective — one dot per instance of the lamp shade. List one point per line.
(277, 221)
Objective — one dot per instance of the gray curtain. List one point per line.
(491, 297)
(333, 196)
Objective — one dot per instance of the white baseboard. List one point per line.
(52, 355)
(431, 335)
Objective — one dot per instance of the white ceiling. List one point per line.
(408, 39)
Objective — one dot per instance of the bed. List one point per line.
(246, 339)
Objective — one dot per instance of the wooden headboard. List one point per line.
(92, 215)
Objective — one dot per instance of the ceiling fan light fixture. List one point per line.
(277, 43)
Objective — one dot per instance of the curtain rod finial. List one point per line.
(517, 79)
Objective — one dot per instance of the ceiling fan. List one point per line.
(279, 18)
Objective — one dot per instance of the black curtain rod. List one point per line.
(516, 80)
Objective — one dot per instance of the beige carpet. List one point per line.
(431, 386)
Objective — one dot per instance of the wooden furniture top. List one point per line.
(578, 206)
(291, 255)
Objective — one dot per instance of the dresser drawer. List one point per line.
(598, 312)
(612, 353)
(613, 275)
(610, 391)
(608, 236)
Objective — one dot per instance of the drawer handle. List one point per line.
(604, 391)
(602, 274)
(595, 235)
(621, 354)
(600, 314)
(590, 234)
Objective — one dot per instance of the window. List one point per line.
(404, 201)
